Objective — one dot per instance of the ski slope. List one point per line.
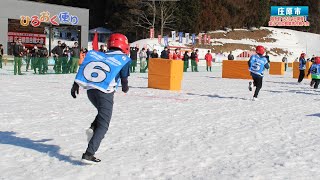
(208, 130)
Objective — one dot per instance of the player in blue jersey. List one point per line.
(257, 64)
(315, 73)
(302, 66)
(101, 73)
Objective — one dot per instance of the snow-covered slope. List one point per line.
(295, 42)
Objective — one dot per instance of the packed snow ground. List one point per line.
(208, 130)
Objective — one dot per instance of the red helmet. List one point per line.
(303, 55)
(120, 41)
(317, 60)
(260, 50)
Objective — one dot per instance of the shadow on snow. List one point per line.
(316, 115)
(216, 96)
(10, 138)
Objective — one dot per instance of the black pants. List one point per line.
(257, 82)
(104, 104)
(301, 75)
(316, 83)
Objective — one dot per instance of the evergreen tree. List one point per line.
(187, 14)
(263, 12)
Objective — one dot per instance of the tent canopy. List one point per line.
(100, 30)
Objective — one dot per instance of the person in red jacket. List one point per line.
(176, 55)
(208, 58)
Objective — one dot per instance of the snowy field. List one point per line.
(209, 130)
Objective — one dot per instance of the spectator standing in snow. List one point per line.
(208, 58)
(154, 54)
(134, 57)
(164, 53)
(193, 61)
(148, 56)
(143, 60)
(285, 60)
(18, 54)
(230, 56)
(75, 56)
(185, 61)
(176, 55)
(58, 57)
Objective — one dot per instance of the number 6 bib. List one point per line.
(99, 69)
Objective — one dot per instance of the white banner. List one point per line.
(187, 38)
(173, 35)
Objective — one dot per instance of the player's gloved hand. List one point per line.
(74, 90)
(124, 84)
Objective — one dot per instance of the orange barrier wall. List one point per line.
(276, 68)
(290, 64)
(165, 74)
(296, 70)
(235, 69)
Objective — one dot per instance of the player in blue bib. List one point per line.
(257, 64)
(100, 73)
(315, 73)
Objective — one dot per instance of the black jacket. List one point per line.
(58, 50)
(17, 50)
(164, 54)
(75, 52)
(65, 53)
(154, 55)
(1, 52)
(134, 53)
(35, 52)
(193, 56)
(230, 57)
(148, 54)
(43, 52)
(185, 57)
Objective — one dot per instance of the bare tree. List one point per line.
(167, 17)
(146, 14)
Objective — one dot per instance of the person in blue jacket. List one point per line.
(101, 73)
(302, 67)
(257, 63)
(315, 73)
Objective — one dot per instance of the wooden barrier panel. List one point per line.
(165, 74)
(276, 68)
(235, 69)
(290, 64)
(296, 70)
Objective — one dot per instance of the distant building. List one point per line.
(35, 22)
